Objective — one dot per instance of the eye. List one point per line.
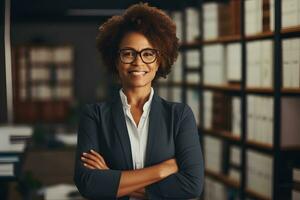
(127, 53)
(148, 53)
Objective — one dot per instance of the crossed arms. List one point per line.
(181, 178)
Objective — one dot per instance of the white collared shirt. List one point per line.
(138, 135)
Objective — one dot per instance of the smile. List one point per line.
(138, 73)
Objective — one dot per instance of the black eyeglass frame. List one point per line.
(140, 54)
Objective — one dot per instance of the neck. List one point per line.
(137, 96)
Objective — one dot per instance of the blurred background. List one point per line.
(238, 69)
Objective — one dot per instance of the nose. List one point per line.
(138, 60)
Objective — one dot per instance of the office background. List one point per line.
(238, 69)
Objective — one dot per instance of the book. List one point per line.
(213, 153)
(214, 190)
(192, 24)
(233, 62)
(259, 172)
(210, 20)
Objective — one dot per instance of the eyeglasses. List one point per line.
(128, 55)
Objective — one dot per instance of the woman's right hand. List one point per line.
(168, 168)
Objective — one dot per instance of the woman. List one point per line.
(137, 145)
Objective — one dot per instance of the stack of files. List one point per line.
(8, 164)
(193, 101)
(221, 19)
(213, 148)
(192, 24)
(235, 159)
(260, 117)
(176, 71)
(210, 21)
(259, 173)
(13, 138)
(222, 110)
(296, 181)
(214, 64)
(259, 16)
(291, 63)
(290, 126)
(253, 16)
(193, 58)
(290, 13)
(177, 18)
(236, 116)
(233, 62)
(260, 64)
(208, 106)
(214, 190)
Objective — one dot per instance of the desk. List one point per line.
(13, 140)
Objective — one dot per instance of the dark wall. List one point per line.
(88, 68)
(2, 67)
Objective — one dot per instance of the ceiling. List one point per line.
(24, 11)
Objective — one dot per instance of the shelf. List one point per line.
(294, 29)
(190, 45)
(222, 178)
(260, 146)
(264, 35)
(223, 39)
(223, 134)
(290, 91)
(256, 195)
(225, 88)
(259, 90)
(169, 84)
(47, 82)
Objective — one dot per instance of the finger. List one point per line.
(92, 157)
(97, 164)
(88, 166)
(90, 162)
(98, 155)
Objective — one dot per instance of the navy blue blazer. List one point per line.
(172, 134)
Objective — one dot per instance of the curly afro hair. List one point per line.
(152, 22)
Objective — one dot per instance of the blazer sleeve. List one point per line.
(92, 184)
(188, 182)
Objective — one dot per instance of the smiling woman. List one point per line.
(138, 145)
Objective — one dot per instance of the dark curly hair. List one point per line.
(152, 22)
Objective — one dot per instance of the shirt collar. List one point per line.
(127, 106)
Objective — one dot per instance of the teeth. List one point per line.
(138, 73)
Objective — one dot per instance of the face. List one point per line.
(138, 73)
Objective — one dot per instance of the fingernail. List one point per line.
(84, 153)
(82, 158)
(92, 150)
(85, 164)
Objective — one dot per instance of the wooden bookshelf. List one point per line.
(256, 195)
(260, 36)
(295, 29)
(290, 91)
(190, 45)
(223, 40)
(260, 146)
(259, 90)
(43, 82)
(223, 134)
(222, 178)
(225, 88)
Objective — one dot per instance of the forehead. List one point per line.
(135, 40)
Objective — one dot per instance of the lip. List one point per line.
(138, 72)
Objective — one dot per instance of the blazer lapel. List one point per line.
(121, 129)
(155, 120)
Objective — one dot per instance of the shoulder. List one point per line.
(176, 108)
(95, 110)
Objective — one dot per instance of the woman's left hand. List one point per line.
(93, 160)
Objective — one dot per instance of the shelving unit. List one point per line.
(43, 82)
(282, 157)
